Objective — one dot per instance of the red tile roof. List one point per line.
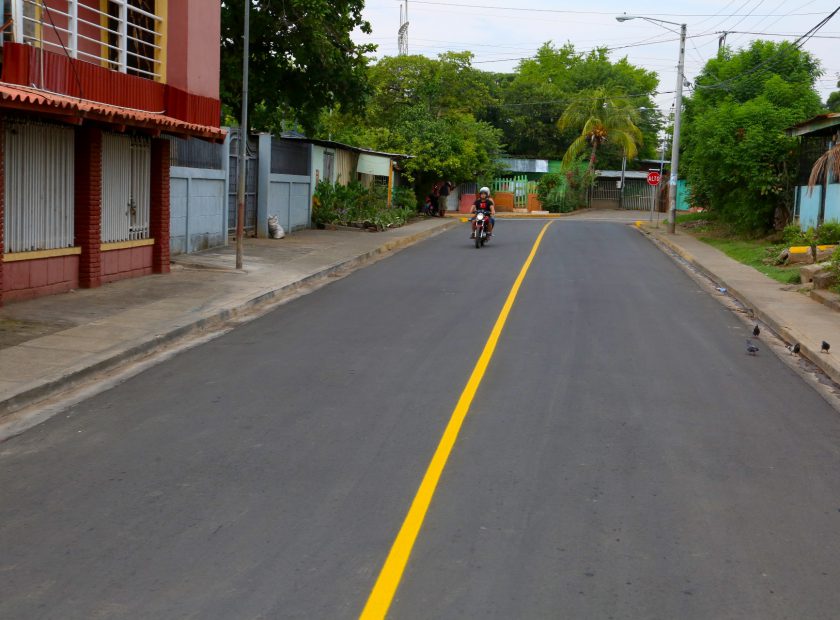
(34, 100)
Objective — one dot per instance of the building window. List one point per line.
(39, 186)
(122, 35)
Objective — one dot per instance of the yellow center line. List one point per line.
(389, 578)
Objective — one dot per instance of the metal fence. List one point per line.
(519, 186)
(251, 181)
(186, 153)
(39, 187)
(126, 179)
(125, 35)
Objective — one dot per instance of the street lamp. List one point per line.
(675, 144)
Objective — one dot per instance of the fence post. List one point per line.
(263, 183)
(226, 192)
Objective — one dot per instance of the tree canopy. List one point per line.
(737, 158)
(535, 97)
(302, 59)
(601, 116)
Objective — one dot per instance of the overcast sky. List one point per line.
(500, 31)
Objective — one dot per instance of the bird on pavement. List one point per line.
(793, 348)
(756, 331)
(825, 347)
(752, 349)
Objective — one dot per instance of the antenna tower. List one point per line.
(402, 33)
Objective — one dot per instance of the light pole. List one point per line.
(675, 142)
(243, 140)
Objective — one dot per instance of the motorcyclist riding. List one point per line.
(485, 203)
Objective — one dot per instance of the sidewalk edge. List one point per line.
(815, 357)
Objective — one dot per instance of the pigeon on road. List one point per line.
(825, 347)
(793, 348)
(756, 331)
(752, 349)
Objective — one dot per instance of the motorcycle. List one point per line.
(482, 221)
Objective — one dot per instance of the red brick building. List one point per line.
(89, 92)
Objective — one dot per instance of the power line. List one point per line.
(577, 12)
(797, 44)
(608, 49)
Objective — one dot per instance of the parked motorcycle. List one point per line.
(482, 222)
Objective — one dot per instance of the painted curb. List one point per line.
(820, 360)
(74, 377)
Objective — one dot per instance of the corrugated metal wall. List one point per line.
(126, 186)
(39, 186)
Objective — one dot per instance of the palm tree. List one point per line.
(828, 165)
(601, 115)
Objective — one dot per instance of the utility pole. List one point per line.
(402, 33)
(243, 140)
(675, 142)
(722, 40)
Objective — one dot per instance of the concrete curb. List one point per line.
(815, 357)
(76, 376)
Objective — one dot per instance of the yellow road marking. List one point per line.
(389, 578)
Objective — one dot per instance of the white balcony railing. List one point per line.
(126, 36)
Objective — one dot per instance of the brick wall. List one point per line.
(159, 215)
(88, 197)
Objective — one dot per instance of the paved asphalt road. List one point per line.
(623, 458)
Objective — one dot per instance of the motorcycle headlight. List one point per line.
(479, 217)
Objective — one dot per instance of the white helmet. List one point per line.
(484, 190)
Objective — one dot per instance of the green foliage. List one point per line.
(757, 254)
(535, 97)
(833, 102)
(737, 158)
(565, 192)
(354, 204)
(834, 266)
(404, 198)
(600, 116)
(828, 233)
(302, 59)
(426, 108)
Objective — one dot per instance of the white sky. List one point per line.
(497, 34)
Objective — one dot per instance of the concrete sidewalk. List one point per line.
(794, 316)
(55, 343)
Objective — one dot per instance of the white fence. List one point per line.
(39, 187)
(126, 178)
(124, 34)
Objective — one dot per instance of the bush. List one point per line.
(404, 198)
(828, 233)
(562, 193)
(356, 205)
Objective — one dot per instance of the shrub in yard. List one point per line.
(828, 233)
(354, 204)
(404, 198)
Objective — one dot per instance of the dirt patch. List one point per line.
(14, 332)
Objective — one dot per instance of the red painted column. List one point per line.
(88, 204)
(2, 198)
(159, 215)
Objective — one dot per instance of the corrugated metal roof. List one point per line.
(815, 124)
(34, 100)
(296, 137)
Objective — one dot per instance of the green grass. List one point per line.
(757, 254)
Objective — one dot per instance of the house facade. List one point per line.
(91, 91)
(821, 204)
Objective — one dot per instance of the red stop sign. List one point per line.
(653, 177)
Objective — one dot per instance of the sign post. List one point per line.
(653, 178)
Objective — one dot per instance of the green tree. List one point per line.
(736, 156)
(426, 108)
(600, 116)
(833, 101)
(535, 96)
(302, 59)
